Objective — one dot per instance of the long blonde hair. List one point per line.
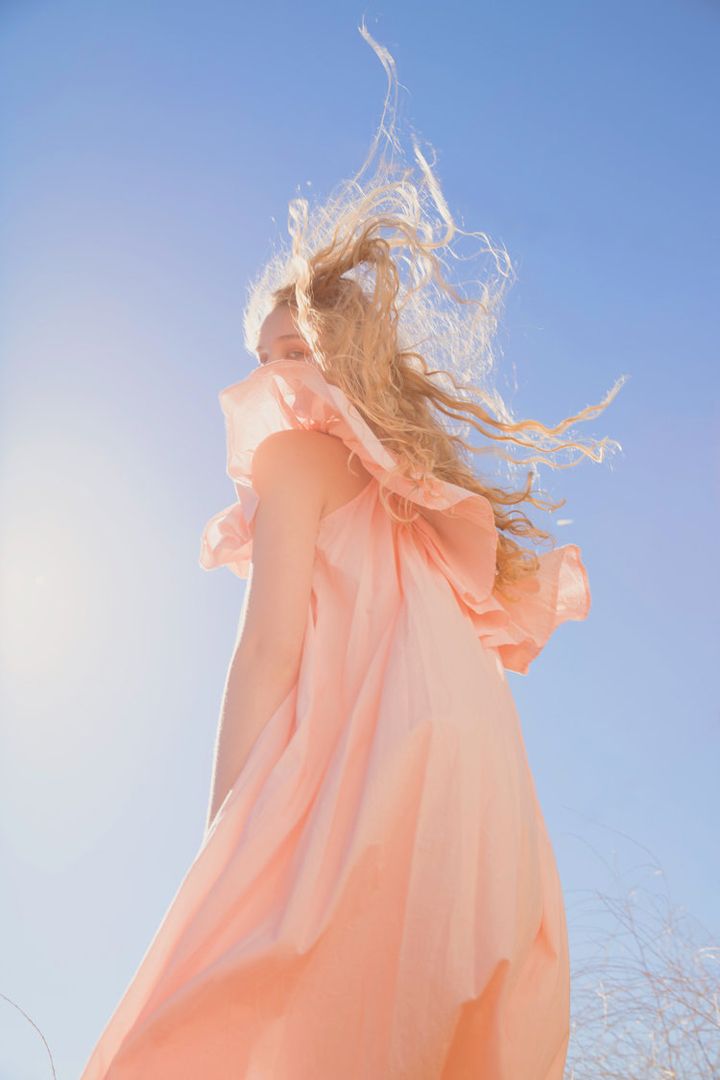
(365, 281)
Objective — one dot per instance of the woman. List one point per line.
(375, 896)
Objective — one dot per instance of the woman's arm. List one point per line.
(290, 475)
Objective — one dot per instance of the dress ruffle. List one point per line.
(294, 394)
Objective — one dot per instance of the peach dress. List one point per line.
(377, 897)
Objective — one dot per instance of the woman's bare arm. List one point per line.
(290, 475)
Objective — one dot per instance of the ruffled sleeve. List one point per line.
(287, 394)
(227, 538)
(558, 592)
(465, 553)
(520, 628)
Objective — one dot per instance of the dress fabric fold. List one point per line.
(377, 897)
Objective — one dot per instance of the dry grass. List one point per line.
(645, 999)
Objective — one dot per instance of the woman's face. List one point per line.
(279, 338)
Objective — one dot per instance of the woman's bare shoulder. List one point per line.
(341, 474)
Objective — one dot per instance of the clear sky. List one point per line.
(149, 151)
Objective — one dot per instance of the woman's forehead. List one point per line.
(277, 327)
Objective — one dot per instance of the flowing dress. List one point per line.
(377, 897)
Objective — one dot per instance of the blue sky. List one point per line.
(149, 151)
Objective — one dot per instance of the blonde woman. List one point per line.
(375, 896)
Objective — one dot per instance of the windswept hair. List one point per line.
(366, 281)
